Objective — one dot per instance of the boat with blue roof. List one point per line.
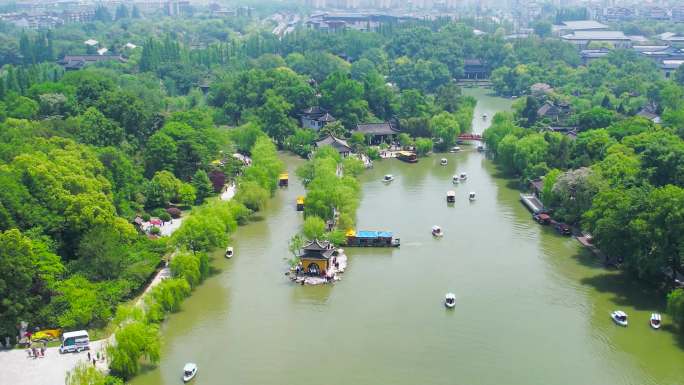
(365, 238)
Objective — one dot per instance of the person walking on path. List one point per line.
(88, 356)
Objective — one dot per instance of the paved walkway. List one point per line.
(19, 369)
(228, 192)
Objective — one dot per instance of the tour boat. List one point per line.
(437, 231)
(620, 317)
(471, 196)
(455, 149)
(463, 176)
(388, 178)
(484, 116)
(189, 371)
(480, 148)
(451, 196)
(450, 300)
(655, 321)
(229, 252)
(443, 162)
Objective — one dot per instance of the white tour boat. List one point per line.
(437, 231)
(450, 300)
(463, 176)
(451, 196)
(455, 149)
(484, 116)
(620, 317)
(388, 178)
(655, 321)
(189, 371)
(443, 162)
(471, 196)
(229, 252)
(455, 179)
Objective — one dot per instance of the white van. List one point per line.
(75, 342)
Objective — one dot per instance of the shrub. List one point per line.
(174, 212)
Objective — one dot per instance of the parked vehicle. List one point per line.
(74, 342)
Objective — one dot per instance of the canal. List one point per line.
(531, 307)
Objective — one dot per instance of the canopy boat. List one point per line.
(455, 179)
(450, 300)
(619, 317)
(229, 252)
(471, 196)
(451, 196)
(455, 149)
(480, 148)
(388, 178)
(300, 203)
(463, 176)
(283, 179)
(443, 162)
(189, 371)
(407, 156)
(437, 231)
(655, 321)
(484, 116)
(371, 239)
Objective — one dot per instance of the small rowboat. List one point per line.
(619, 317)
(655, 321)
(450, 300)
(189, 371)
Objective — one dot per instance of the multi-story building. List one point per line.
(677, 14)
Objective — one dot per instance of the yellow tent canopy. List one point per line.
(350, 233)
(300, 200)
(283, 176)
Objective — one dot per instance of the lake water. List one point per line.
(531, 307)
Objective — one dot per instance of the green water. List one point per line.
(531, 307)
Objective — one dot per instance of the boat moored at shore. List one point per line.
(619, 317)
(229, 252)
(407, 156)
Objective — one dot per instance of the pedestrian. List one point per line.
(98, 355)
(88, 356)
(94, 362)
(42, 351)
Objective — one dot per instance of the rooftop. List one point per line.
(583, 25)
(376, 128)
(596, 35)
